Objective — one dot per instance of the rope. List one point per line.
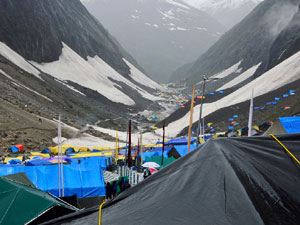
(285, 148)
(100, 211)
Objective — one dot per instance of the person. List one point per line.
(108, 189)
(122, 184)
(127, 185)
(114, 188)
(145, 174)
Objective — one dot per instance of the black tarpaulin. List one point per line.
(229, 181)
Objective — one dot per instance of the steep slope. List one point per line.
(269, 85)
(161, 34)
(249, 41)
(287, 43)
(57, 58)
(227, 12)
(282, 74)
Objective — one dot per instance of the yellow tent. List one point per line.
(64, 148)
(6, 160)
(39, 154)
(84, 149)
(87, 155)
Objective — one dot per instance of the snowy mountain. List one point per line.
(228, 12)
(261, 52)
(56, 57)
(162, 35)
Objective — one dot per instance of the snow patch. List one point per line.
(244, 76)
(148, 138)
(92, 73)
(228, 71)
(181, 28)
(141, 78)
(178, 4)
(201, 28)
(18, 60)
(69, 86)
(134, 17)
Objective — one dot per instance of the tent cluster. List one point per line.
(226, 181)
(275, 101)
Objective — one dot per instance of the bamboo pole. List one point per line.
(117, 147)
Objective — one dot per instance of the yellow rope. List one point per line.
(100, 212)
(285, 148)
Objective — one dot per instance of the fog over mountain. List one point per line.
(227, 12)
(161, 35)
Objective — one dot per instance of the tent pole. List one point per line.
(58, 154)
(191, 119)
(117, 148)
(129, 146)
(163, 147)
(250, 115)
(141, 148)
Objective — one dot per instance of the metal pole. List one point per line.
(163, 147)
(250, 114)
(200, 114)
(129, 147)
(191, 119)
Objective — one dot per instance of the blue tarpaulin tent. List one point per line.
(180, 141)
(291, 124)
(183, 149)
(285, 95)
(38, 162)
(83, 180)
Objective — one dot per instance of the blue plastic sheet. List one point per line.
(38, 162)
(183, 149)
(285, 96)
(14, 161)
(14, 149)
(46, 151)
(180, 141)
(82, 179)
(291, 124)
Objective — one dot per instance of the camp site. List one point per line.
(150, 112)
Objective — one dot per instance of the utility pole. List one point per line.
(200, 114)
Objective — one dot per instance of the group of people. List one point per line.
(116, 188)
